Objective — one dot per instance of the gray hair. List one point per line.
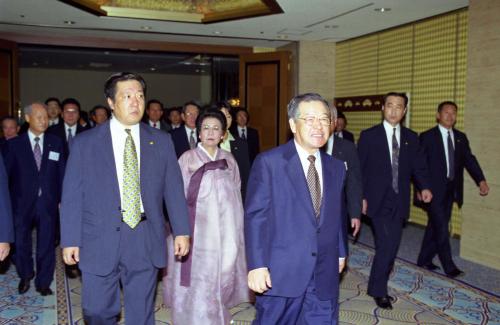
(333, 112)
(293, 105)
(29, 108)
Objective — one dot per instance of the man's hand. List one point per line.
(4, 250)
(484, 189)
(356, 224)
(181, 246)
(259, 280)
(426, 196)
(364, 208)
(71, 255)
(341, 264)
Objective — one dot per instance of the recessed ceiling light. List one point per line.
(106, 52)
(152, 69)
(331, 26)
(282, 36)
(382, 9)
(69, 22)
(217, 32)
(146, 27)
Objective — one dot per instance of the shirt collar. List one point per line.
(445, 130)
(32, 136)
(117, 126)
(303, 154)
(389, 128)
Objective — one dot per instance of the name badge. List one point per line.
(54, 156)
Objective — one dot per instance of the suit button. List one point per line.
(313, 254)
(117, 228)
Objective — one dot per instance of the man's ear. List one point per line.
(110, 103)
(292, 124)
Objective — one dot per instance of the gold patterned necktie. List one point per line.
(314, 186)
(131, 184)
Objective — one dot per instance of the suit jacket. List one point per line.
(239, 149)
(432, 143)
(252, 140)
(376, 168)
(25, 180)
(60, 131)
(347, 135)
(180, 139)
(281, 231)
(90, 210)
(3, 145)
(346, 151)
(163, 126)
(6, 225)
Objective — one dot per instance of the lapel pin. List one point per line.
(151, 142)
(406, 143)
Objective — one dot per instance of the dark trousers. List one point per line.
(304, 310)
(101, 294)
(437, 235)
(387, 228)
(45, 226)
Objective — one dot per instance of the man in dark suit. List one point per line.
(35, 165)
(54, 110)
(185, 137)
(293, 223)
(99, 114)
(10, 128)
(70, 127)
(390, 156)
(112, 223)
(448, 152)
(242, 131)
(6, 226)
(154, 113)
(345, 151)
(174, 118)
(340, 128)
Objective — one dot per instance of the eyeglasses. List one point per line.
(207, 127)
(309, 120)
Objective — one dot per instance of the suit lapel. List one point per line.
(28, 151)
(105, 150)
(146, 155)
(295, 173)
(330, 179)
(440, 144)
(47, 148)
(384, 146)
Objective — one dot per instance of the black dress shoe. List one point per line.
(24, 285)
(45, 291)
(384, 302)
(455, 273)
(431, 266)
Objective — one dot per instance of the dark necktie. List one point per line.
(395, 162)
(314, 185)
(37, 152)
(451, 158)
(70, 137)
(243, 136)
(154, 125)
(192, 141)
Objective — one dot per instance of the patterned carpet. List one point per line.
(422, 297)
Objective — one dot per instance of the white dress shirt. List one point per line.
(188, 132)
(155, 125)
(54, 121)
(444, 135)
(303, 154)
(240, 131)
(389, 130)
(32, 137)
(329, 144)
(118, 138)
(73, 130)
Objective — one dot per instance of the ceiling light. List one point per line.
(106, 52)
(331, 26)
(217, 32)
(146, 27)
(69, 22)
(382, 9)
(152, 69)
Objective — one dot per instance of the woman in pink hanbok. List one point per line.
(202, 287)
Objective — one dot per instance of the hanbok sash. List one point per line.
(192, 197)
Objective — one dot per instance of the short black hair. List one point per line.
(191, 102)
(341, 115)
(71, 101)
(448, 102)
(96, 107)
(53, 99)
(176, 109)
(110, 84)
(211, 112)
(7, 118)
(293, 105)
(244, 110)
(396, 94)
(153, 101)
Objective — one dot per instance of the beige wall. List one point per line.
(87, 86)
(481, 215)
(316, 68)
